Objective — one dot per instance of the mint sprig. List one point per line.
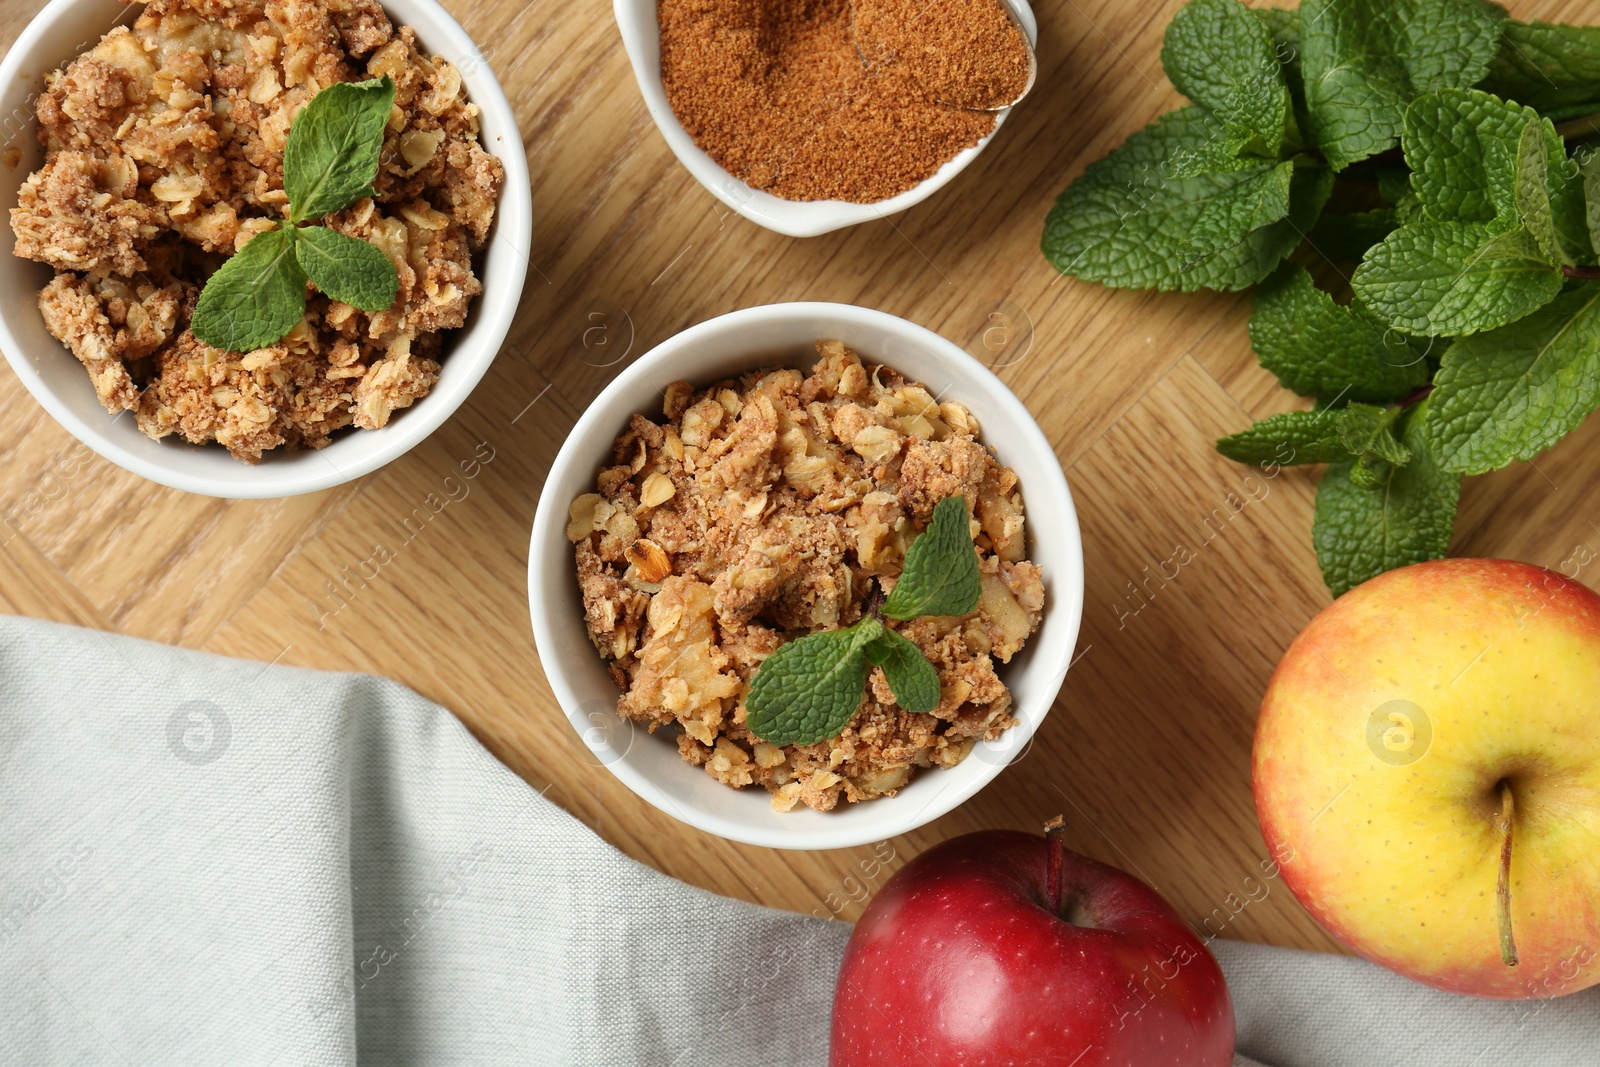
(1362, 434)
(1139, 219)
(810, 688)
(1365, 61)
(1391, 517)
(1491, 179)
(330, 161)
(1468, 336)
(1211, 196)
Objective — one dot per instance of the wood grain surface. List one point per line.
(1147, 750)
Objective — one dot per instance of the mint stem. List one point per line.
(1581, 272)
(1578, 128)
(1416, 398)
(873, 605)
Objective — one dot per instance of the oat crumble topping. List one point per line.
(163, 156)
(768, 508)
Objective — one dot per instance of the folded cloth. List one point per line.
(211, 861)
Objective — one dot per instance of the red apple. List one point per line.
(1001, 948)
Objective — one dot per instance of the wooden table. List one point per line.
(1147, 751)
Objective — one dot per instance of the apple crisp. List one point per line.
(163, 156)
(779, 505)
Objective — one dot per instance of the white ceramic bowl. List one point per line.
(641, 36)
(66, 28)
(785, 335)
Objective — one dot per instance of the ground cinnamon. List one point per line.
(965, 53)
(829, 100)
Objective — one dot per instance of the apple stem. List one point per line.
(1508, 942)
(1053, 831)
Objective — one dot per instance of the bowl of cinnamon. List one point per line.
(807, 116)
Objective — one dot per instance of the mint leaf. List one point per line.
(1546, 66)
(1589, 170)
(1533, 193)
(1220, 155)
(941, 573)
(1257, 201)
(1319, 348)
(1471, 262)
(255, 298)
(349, 270)
(1308, 195)
(1461, 146)
(1508, 395)
(334, 146)
(1560, 182)
(1440, 279)
(1130, 222)
(1367, 472)
(809, 689)
(1367, 431)
(1221, 56)
(1284, 25)
(1407, 517)
(911, 677)
(1289, 440)
(1254, 203)
(1476, 158)
(1365, 60)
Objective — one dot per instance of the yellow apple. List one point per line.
(1427, 773)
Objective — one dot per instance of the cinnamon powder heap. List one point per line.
(829, 100)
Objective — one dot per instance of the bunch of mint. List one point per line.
(809, 689)
(1467, 335)
(330, 161)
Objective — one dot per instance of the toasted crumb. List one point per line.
(108, 324)
(78, 213)
(767, 508)
(164, 149)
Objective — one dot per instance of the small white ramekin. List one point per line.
(785, 335)
(58, 381)
(641, 36)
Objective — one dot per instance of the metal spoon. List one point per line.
(1016, 21)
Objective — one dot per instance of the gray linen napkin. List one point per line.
(210, 861)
